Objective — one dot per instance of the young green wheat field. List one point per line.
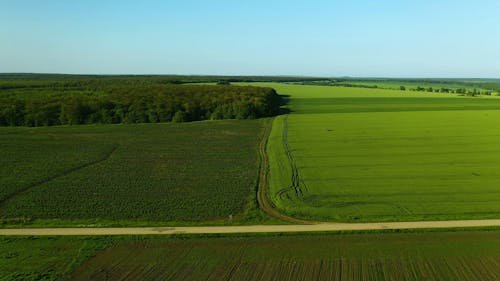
(350, 154)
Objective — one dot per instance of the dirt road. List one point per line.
(249, 229)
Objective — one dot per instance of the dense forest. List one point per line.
(47, 102)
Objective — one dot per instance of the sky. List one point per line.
(362, 38)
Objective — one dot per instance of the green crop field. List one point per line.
(469, 255)
(44, 258)
(350, 154)
(388, 256)
(129, 173)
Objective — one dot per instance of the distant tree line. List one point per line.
(336, 84)
(473, 87)
(112, 103)
(16, 80)
(460, 91)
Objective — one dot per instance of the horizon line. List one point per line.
(247, 75)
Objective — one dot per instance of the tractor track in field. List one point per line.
(297, 185)
(263, 198)
(64, 173)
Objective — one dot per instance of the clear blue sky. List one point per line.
(426, 38)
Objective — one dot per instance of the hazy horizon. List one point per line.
(251, 75)
(388, 39)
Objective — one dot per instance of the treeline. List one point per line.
(493, 86)
(460, 91)
(347, 85)
(134, 104)
(481, 88)
(335, 83)
(17, 80)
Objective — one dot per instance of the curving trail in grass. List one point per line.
(297, 185)
(263, 198)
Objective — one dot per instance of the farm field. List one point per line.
(249, 140)
(47, 258)
(387, 256)
(385, 155)
(130, 174)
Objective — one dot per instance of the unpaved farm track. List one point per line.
(265, 203)
(323, 227)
